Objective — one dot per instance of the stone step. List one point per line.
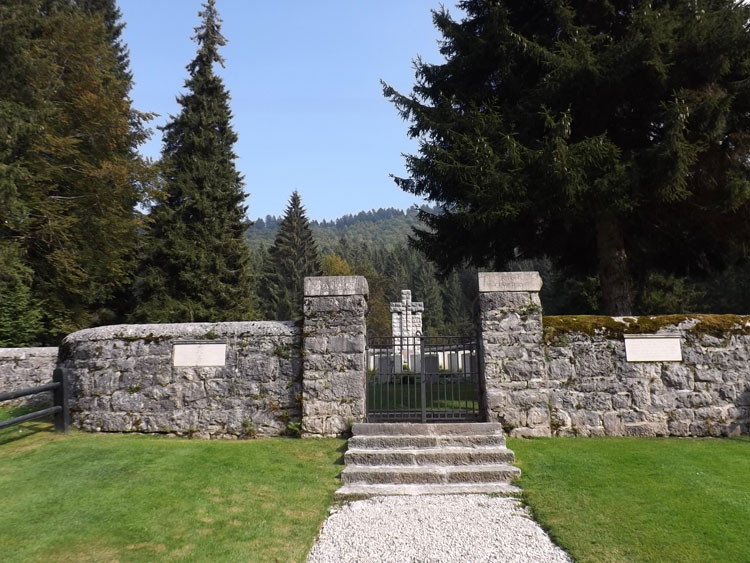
(429, 456)
(424, 474)
(429, 429)
(359, 491)
(409, 442)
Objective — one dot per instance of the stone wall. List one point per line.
(594, 390)
(123, 379)
(572, 377)
(21, 368)
(542, 376)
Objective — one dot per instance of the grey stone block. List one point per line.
(335, 285)
(509, 281)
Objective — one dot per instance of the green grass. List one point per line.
(104, 497)
(6, 413)
(631, 499)
(408, 396)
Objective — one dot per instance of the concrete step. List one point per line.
(410, 442)
(359, 491)
(430, 429)
(424, 474)
(430, 456)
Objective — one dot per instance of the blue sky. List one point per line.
(304, 79)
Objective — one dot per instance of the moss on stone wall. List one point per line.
(615, 328)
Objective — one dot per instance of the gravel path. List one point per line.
(434, 528)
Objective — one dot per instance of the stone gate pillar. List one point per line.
(510, 325)
(333, 354)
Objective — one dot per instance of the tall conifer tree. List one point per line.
(111, 14)
(197, 263)
(69, 177)
(293, 256)
(612, 136)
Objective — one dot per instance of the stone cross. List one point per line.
(406, 316)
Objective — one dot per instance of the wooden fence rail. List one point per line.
(59, 410)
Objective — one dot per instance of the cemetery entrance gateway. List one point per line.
(416, 378)
(423, 379)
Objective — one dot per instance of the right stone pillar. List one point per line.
(512, 350)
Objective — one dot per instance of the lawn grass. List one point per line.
(640, 499)
(408, 396)
(109, 497)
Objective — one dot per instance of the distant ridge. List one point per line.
(384, 227)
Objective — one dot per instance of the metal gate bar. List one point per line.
(422, 379)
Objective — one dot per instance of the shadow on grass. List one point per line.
(25, 429)
(342, 450)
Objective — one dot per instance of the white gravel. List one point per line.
(433, 528)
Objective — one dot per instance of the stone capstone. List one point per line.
(336, 285)
(494, 282)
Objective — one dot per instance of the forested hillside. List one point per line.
(373, 244)
(382, 227)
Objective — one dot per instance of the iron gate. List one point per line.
(423, 379)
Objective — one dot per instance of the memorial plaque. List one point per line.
(509, 281)
(653, 348)
(199, 354)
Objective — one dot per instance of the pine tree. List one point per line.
(197, 264)
(68, 178)
(294, 255)
(612, 136)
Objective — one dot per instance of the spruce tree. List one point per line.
(293, 256)
(270, 288)
(612, 136)
(69, 179)
(197, 264)
(427, 290)
(20, 313)
(111, 15)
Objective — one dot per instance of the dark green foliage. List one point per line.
(196, 263)
(20, 313)
(69, 179)
(110, 13)
(427, 290)
(612, 137)
(293, 256)
(373, 244)
(449, 302)
(382, 227)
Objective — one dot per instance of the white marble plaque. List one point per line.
(653, 348)
(203, 354)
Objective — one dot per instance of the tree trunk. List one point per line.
(614, 276)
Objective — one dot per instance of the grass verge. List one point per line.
(104, 497)
(640, 499)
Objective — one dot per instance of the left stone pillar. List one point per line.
(333, 354)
